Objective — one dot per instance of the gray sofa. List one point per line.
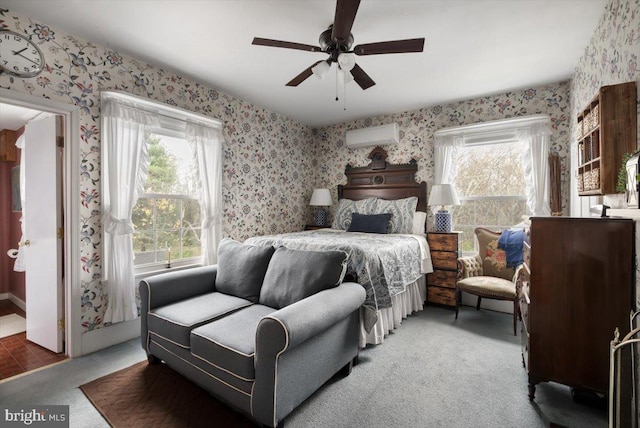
(261, 331)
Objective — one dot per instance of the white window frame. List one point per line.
(173, 122)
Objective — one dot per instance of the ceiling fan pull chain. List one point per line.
(337, 71)
(344, 90)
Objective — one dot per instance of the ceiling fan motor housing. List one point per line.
(334, 48)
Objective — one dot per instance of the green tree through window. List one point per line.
(167, 216)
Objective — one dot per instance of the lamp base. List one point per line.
(320, 217)
(443, 221)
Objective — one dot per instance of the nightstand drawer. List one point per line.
(443, 241)
(443, 296)
(442, 278)
(444, 260)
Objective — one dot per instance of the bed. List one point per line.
(391, 267)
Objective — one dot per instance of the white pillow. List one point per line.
(419, 222)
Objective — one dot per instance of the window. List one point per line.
(167, 215)
(491, 186)
(164, 213)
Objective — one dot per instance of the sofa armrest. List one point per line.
(299, 321)
(469, 266)
(165, 288)
(278, 336)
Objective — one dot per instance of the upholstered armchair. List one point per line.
(486, 274)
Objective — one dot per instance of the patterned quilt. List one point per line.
(383, 264)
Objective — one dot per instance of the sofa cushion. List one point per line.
(241, 268)
(229, 343)
(295, 274)
(174, 322)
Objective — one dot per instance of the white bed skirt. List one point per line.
(403, 304)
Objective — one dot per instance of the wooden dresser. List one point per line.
(577, 287)
(441, 284)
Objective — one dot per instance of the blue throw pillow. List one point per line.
(373, 223)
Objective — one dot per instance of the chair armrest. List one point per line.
(469, 266)
(293, 324)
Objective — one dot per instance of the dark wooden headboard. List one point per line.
(382, 180)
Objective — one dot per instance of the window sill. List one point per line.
(144, 273)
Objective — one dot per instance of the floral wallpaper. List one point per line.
(610, 58)
(417, 128)
(267, 158)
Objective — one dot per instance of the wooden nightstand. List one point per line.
(315, 227)
(441, 284)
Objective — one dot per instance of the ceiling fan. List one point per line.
(337, 42)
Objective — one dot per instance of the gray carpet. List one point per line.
(433, 371)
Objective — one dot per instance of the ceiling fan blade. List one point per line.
(345, 15)
(302, 76)
(396, 46)
(361, 77)
(288, 45)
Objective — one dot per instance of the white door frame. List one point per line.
(73, 292)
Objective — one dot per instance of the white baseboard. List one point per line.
(108, 336)
(494, 305)
(19, 303)
(13, 299)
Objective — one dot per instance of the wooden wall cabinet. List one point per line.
(582, 287)
(441, 283)
(606, 131)
(8, 151)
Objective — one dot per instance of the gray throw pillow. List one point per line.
(241, 268)
(296, 274)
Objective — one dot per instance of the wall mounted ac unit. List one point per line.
(373, 136)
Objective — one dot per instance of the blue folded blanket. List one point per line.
(511, 242)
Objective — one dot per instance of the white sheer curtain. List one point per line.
(443, 150)
(537, 140)
(125, 131)
(208, 146)
(19, 265)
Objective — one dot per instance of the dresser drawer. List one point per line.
(443, 278)
(443, 296)
(443, 241)
(444, 260)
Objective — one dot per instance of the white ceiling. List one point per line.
(472, 48)
(14, 117)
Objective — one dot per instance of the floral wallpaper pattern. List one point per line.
(417, 128)
(610, 58)
(267, 158)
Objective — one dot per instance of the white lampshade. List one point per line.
(443, 194)
(321, 198)
(321, 69)
(347, 61)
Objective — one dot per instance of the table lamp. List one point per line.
(443, 194)
(321, 198)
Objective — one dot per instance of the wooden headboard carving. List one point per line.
(381, 179)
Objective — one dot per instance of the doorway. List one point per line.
(31, 333)
(70, 205)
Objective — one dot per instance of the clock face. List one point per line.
(19, 56)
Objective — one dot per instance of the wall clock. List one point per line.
(19, 55)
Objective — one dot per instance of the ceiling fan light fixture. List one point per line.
(344, 76)
(321, 69)
(347, 61)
